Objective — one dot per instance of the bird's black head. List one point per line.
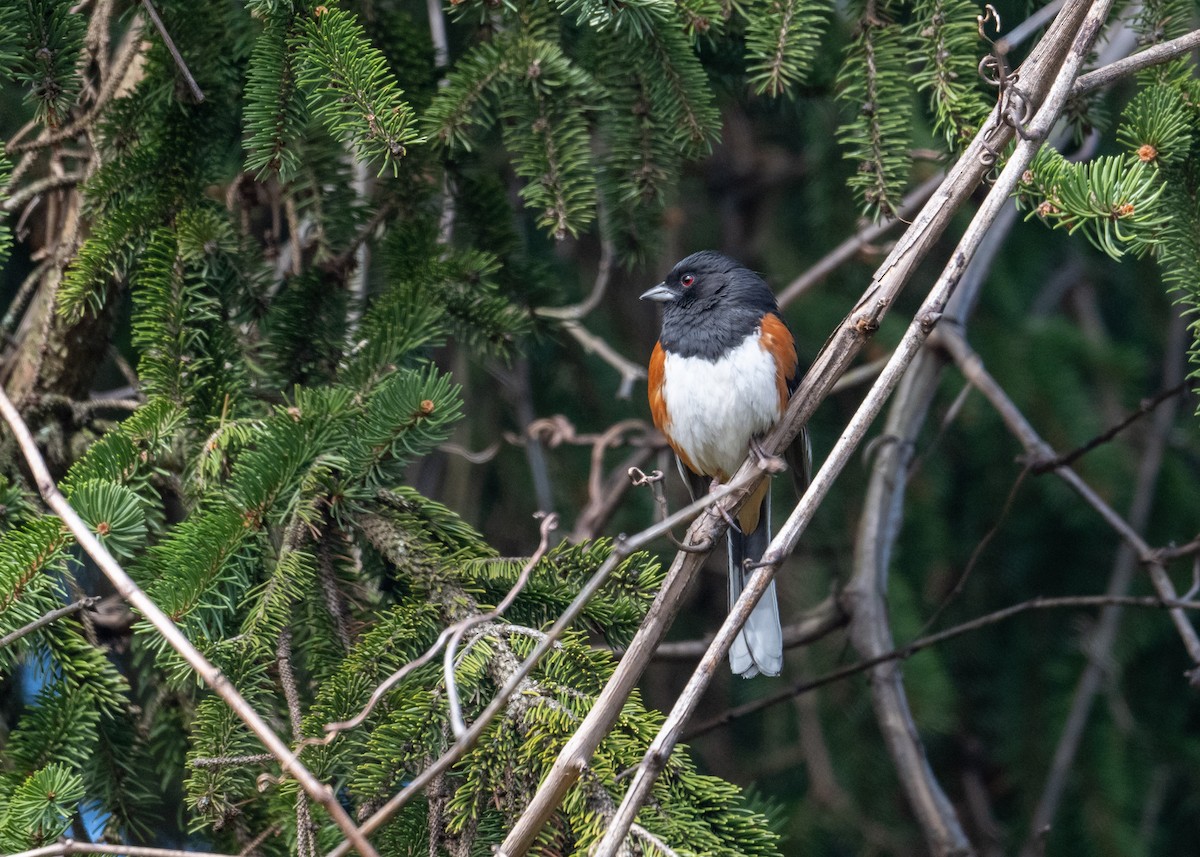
(710, 304)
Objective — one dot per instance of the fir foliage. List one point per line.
(50, 34)
(877, 93)
(276, 113)
(782, 39)
(944, 34)
(349, 87)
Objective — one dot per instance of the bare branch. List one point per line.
(592, 344)
(197, 93)
(1104, 437)
(212, 676)
(972, 367)
(1156, 55)
(907, 651)
(599, 287)
(52, 616)
(852, 246)
(70, 846)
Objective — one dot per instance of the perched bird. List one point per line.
(721, 375)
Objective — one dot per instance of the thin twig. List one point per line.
(197, 93)
(457, 726)
(581, 309)
(53, 616)
(630, 372)
(133, 594)
(906, 651)
(306, 842)
(852, 246)
(1156, 55)
(25, 194)
(1144, 408)
(973, 368)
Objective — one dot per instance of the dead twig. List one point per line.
(906, 651)
(53, 616)
(197, 93)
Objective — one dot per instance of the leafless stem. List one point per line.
(630, 372)
(1104, 437)
(852, 246)
(549, 524)
(910, 649)
(581, 309)
(197, 93)
(972, 367)
(22, 195)
(1156, 55)
(306, 842)
(52, 616)
(226, 761)
(212, 676)
(70, 846)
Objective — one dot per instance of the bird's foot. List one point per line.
(765, 460)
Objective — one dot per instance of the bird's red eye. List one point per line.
(687, 280)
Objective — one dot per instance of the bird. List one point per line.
(720, 377)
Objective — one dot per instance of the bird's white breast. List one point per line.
(715, 407)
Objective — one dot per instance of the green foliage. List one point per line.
(944, 33)
(275, 112)
(349, 88)
(782, 40)
(1112, 200)
(876, 93)
(50, 37)
(40, 809)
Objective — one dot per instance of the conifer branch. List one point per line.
(623, 549)
(133, 594)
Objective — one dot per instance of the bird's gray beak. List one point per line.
(659, 293)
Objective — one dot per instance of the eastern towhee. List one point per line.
(721, 375)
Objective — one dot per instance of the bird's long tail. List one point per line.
(758, 647)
